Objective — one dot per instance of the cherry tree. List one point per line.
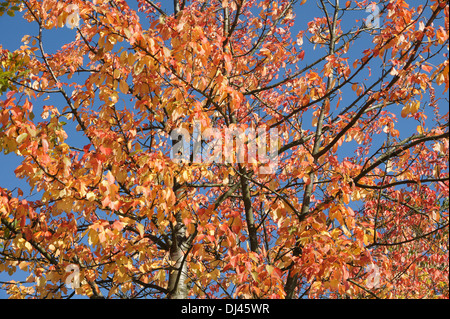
(225, 149)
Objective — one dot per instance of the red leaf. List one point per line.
(105, 150)
(427, 68)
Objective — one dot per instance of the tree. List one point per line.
(346, 197)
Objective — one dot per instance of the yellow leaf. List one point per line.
(90, 196)
(273, 184)
(335, 233)
(161, 275)
(127, 33)
(123, 57)
(21, 137)
(405, 110)
(368, 239)
(166, 52)
(123, 86)
(140, 229)
(346, 232)
(41, 281)
(131, 59)
(215, 274)
(92, 237)
(269, 269)
(23, 266)
(415, 106)
(440, 78)
(334, 283)
(316, 286)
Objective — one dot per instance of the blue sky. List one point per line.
(12, 29)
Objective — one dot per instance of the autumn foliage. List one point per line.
(356, 206)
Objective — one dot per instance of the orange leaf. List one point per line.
(110, 178)
(427, 68)
(123, 86)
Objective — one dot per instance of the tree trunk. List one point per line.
(178, 288)
(179, 249)
(252, 231)
(179, 246)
